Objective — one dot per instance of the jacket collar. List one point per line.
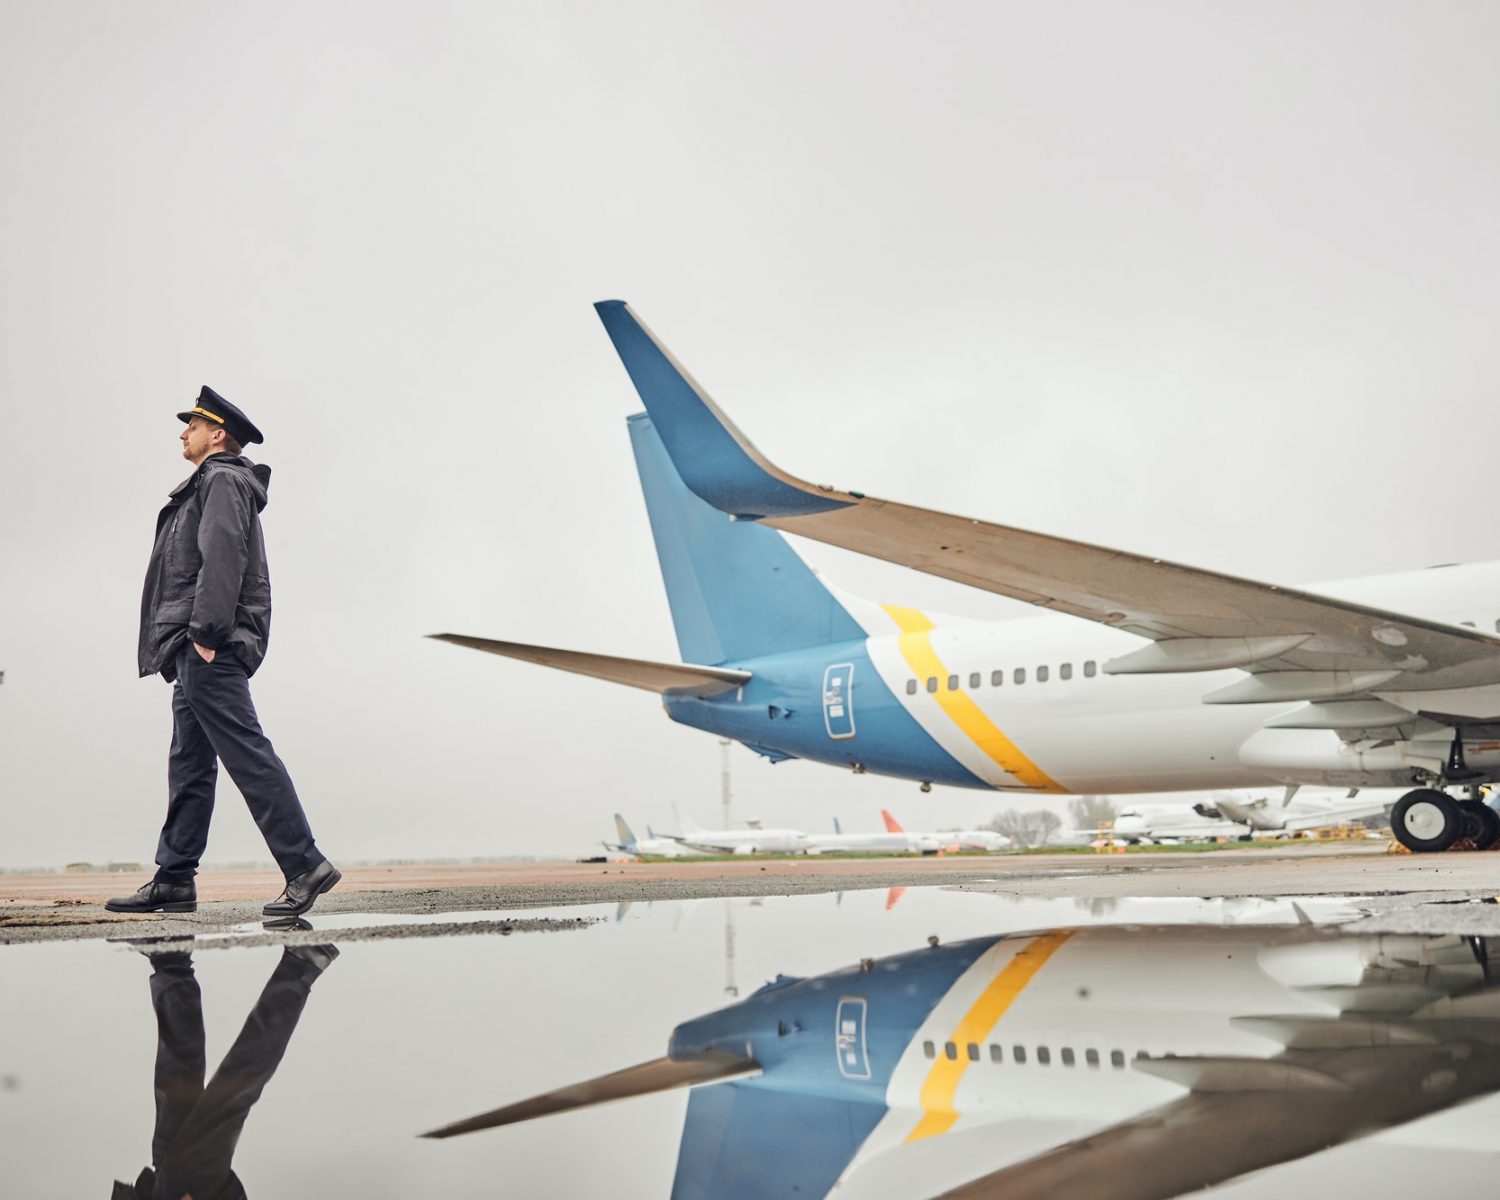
(177, 492)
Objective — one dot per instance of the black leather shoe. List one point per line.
(157, 897)
(302, 891)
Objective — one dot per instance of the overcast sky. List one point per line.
(1214, 282)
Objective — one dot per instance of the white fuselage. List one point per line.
(746, 841)
(1042, 700)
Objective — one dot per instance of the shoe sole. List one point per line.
(327, 886)
(180, 907)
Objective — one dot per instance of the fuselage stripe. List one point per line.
(915, 642)
(941, 1085)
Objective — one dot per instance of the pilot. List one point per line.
(197, 1127)
(205, 622)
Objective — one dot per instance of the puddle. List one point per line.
(1052, 1048)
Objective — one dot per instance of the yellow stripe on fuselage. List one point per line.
(936, 1097)
(916, 647)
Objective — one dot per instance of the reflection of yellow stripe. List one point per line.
(938, 1114)
(916, 647)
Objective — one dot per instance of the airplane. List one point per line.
(1142, 676)
(651, 845)
(751, 840)
(896, 841)
(1298, 816)
(986, 840)
(1065, 1064)
(1171, 822)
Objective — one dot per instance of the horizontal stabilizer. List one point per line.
(658, 1075)
(1306, 1031)
(632, 672)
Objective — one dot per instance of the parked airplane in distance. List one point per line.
(750, 840)
(956, 839)
(1066, 1065)
(1143, 676)
(889, 842)
(650, 845)
(1197, 822)
(1267, 816)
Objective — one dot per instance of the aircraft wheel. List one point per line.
(1482, 823)
(1426, 821)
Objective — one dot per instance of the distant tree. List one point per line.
(1090, 812)
(1026, 828)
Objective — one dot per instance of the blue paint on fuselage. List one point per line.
(781, 709)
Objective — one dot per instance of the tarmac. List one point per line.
(1454, 892)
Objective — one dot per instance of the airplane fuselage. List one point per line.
(1026, 705)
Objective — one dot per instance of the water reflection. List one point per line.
(1126, 1061)
(198, 1127)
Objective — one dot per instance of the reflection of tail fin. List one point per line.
(734, 1142)
(627, 839)
(737, 590)
(891, 824)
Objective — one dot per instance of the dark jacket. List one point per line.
(207, 580)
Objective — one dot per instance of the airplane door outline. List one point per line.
(849, 1038)
(838, 700)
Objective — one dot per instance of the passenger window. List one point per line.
(950, 1050)
(976, 679)
(1020, 675)
(932, 683)
(973, 1052)
(911, 687)
(1116, 1058)
(1041, 674)
(998, 677)
(1043, 1056)
(931, 1051)
(996, 1055)
(953, 683)
(1065, 671)
(1018, 1055)
(1141, 1054)
(1067, 1056)
(1091, 1057)
(1088, 669)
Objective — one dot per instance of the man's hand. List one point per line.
(204, 652)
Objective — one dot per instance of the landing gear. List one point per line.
(1481, 823)
(1426, 821)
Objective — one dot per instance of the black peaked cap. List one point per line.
(213, 408)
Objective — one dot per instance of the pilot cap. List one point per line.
(213, 408)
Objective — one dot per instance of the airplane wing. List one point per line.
(1235, 1118)
(1298, 645)
(633, 672)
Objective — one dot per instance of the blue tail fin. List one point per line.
(736, 589)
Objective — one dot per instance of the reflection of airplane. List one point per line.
(896, 841)
(752, 840)
(650, 845)
(198, 1127)
(1145, 675)
(1066, 1064)
(954, 839)
(1265, 816)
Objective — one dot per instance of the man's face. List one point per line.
(197, 440)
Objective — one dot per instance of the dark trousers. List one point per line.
(213, 721)
(197, 1128)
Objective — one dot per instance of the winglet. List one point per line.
(717, 462)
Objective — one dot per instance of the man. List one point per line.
(205, 621)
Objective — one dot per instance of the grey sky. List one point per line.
(1217, 282)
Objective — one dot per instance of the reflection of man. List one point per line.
(197, 1128)
(205, 622)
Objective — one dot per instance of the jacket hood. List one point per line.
(257, 475)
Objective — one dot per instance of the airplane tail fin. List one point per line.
(686, 824)
(891, 824)
(737, 589)
(627, 839)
